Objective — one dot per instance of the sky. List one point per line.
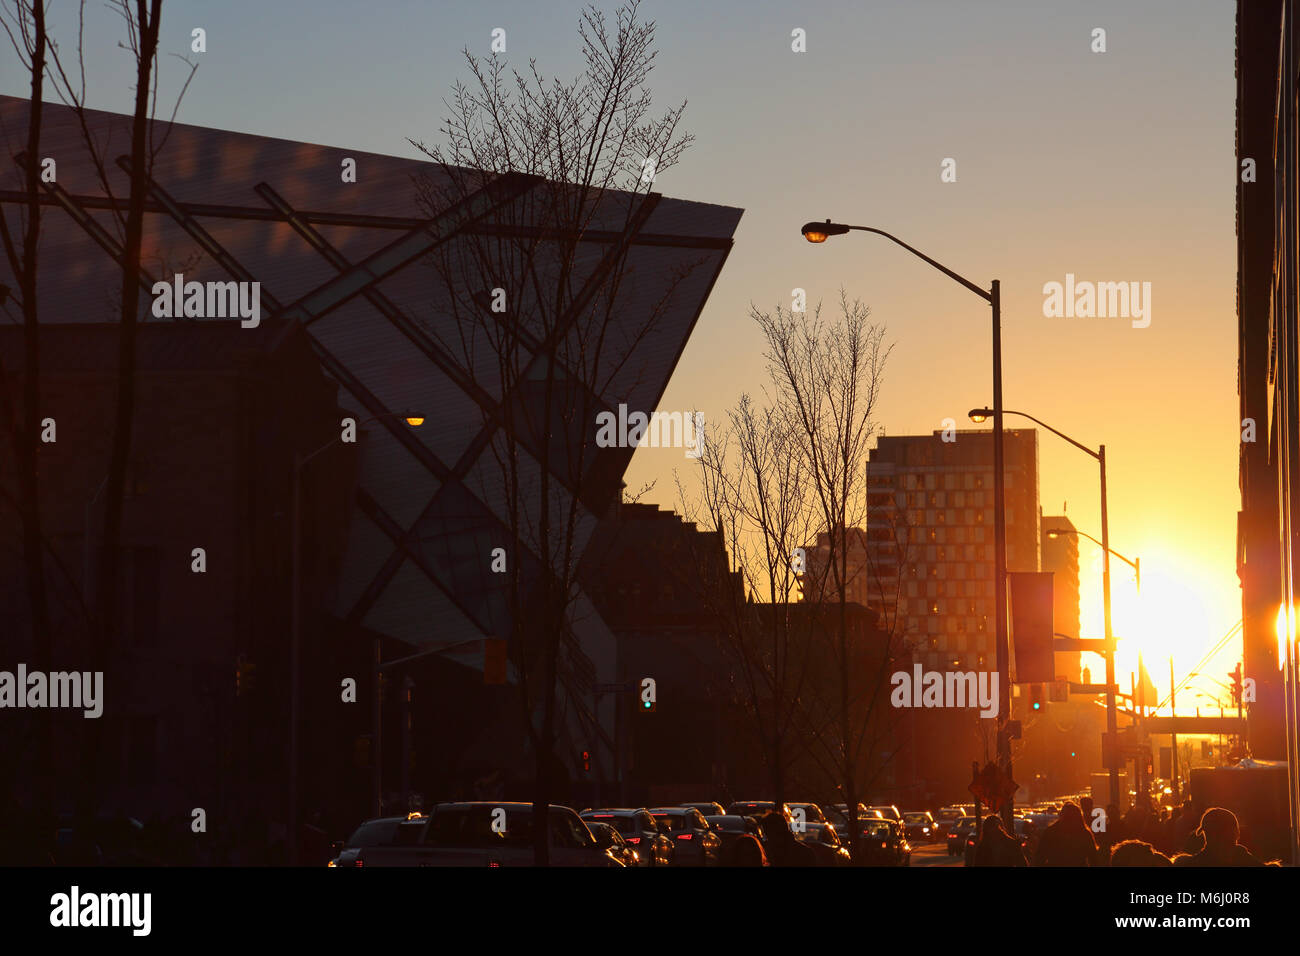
(1115, 166)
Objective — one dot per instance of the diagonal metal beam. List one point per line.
(385, 306)
(417, 448)
(484, 435)
(405, 250)
(77, 211)
(396, 223)
(563, 326)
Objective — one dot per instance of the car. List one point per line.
(889, 812)
(1040, 821)
(730, 826)
(946, 816)
(811, 813)
(694, 842)
(613, 842)
(653, 847)
(494, 834)
(708, 808)
(962, 828)
(920, 827)
(825, 843)
(837, 815)
(382, 831)
(885, 844)
(756, 808)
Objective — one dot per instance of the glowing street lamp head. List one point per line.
(414, 419)
(819, 231)
(978, 415)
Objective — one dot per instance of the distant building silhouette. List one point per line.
(1060, 555)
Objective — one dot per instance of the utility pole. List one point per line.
(1111, 718)
(1173, 713)
(1000, 560)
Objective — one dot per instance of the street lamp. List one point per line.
(1134, 563)
(1112, 729)
(414, 420)
(818, 232)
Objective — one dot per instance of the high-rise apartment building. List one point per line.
(930, 537)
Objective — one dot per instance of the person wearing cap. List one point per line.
(1219, 830)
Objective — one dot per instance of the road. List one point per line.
(933, 854)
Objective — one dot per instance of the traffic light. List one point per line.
(1235, 676)
(586, 761)
(1206, 750)
(1036, 698)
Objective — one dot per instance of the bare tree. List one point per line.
(755, 495)
(24, 24)
(535, 326)
(826, 380)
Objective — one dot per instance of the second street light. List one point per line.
(818, 232)
(1136, 565)
(1112, 721)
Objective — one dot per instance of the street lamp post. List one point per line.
(818, 232)
(295, 626)
(979, 415)
(1136, 565)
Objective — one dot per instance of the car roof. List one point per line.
(509, 804)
